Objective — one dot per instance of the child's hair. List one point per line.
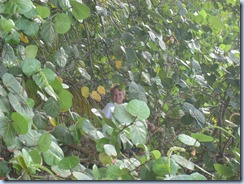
(117, 86)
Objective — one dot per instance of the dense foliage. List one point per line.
(179, 62)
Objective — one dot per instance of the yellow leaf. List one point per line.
(96, 96)
(101, 90)
(60, 79)
(112, 57)
(24, 38)
(52, 121)
(118, 64)
(85, 91)
(168, 42)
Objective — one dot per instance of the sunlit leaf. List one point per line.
(31, 51)
(138, 109)
(80, 11)
(95, 95)
(62, 23)
(183, 162)
(31, 66)
(101, 90)
(186, 139)
(43, 11)
(110, 150)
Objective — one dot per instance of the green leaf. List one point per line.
(81, 176)
(223, 170)
(11, 83)
(155, 154)
(138, 133)
(183, 162)
(113, 172)
(84, 73)
(130, 55)
(17, 6)
(193, 176)
(6, 24)
(52, 107)
(65, 99)
(48, 32)
(31, 66)
(69, 162)
(147, 174)
(49, 74)
(20, 123)
(80, 11)
(198, 115)
(63, 134)
(44, 142)
(36, 157)
(61, 57)
(138, 109)
(8, 55)
(43, 11)
(4, 169)
(104, 158)
(127, 37)
(13, 37)
(216, 23)
(187, 119)
(160, 167)
(31, 51)
(62, 23)
(53, 155)
(110, 150)
(202, 137)
(30, 139)
(122, 115)
(7, 131)
(100, 144)
(30, 28)
(19, 106)
(186, 139)
(136, 91)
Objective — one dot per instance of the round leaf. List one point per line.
(122, 115)
(104, 158)
(186, 139)
(31, 51)
(155, 154)
(69, 162)
(62, 23)
(80, 11)
(43, 11)
(31, 66)
(138, 109)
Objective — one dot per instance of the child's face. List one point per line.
(118, 96)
